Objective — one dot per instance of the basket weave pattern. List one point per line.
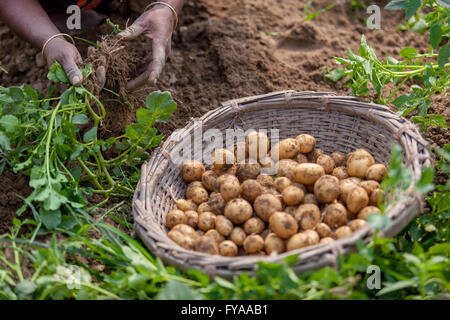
(338, 124)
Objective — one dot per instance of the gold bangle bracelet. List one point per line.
(53, 37)
(167, 5)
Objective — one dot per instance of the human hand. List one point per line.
(155, 24)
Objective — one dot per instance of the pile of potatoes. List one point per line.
(232, 209)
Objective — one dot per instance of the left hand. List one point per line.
(155, 24)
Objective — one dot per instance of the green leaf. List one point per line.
(161, 104)
(444, 3)
(397, 5)
(16, 94)
(9, 123)
(86, 71)
(435, 35)
(57, 74)
(378, 221)
(90, 135)
(444, 55)
(176, 290)
(408, 52)
(25, 288)
(413, 6)
(50, 219)
(5, 143)
(397, 286)
(335, 75)
(80, 119)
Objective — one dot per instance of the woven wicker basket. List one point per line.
(338, 123)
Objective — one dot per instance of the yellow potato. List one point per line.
(326, 162)
(175, 217)
(335, 215)
(297, 241)
(215, 236)
(306, 143)
(308, 173)
(273, 243)
(265, 205)
(191, 218)
(223, 225)
(314, 154)
(343, 232)
(238, 211)
(376, 172)
(312, 237)
(369, 186)
(209, 179)
(310, 198)
(285, 149)
(339, 158)
(357, 224)
(326, 189)
(292, 195)
(326, 240)
(248, 170)
(307, 216)
(238, 236)
(216, 203)
(265, 180)
(222, 159)
(301, 158)
(192, 170)
(186, 205)
(206, 221)
(228, 248)
(199, 195)
(191, 187)
(376, 196)
(282, 224)
(367, 211)
(206, 245)
(345, 186)
(359, 162)
(253, 243)
(251, 189)
(204, 207)
(230, 189)
(182, 240)
(286, 168)
(254, 226)
(357, 199)
(340, 173)
(323, 230)
(281, 183)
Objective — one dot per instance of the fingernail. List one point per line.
(76, 79)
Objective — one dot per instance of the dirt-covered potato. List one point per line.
(225, 178)
(238, 236)
(265, 180)
(251, 189)
(367, 211)
(301, 158)
(186, 205)
(186, 230)
(358, 162)
(228, 248)
(204, 207)
(191, 187)
(291, 210)
(181, 239)
(222, 159)
(265, 205)
(308, 173)
(192, 170)
(273, 243)
(340, 173)
(345, 186)
(326, 162)
(339, 158)
(357, 199)
(253, 243)
(248, 170)
(215, 235)
(323, 230)
(224, 225)
(254, 226)
(285, 149)
(267, 163)
(206, 221)
(275, 193)
(306, 143)
(199, 195)
(300, 186)
(313, 155)
(376, 172)
(375, 196)
(326, 240)
(357, 224)
(326, 189)
(355, 180)
(175, 217)
(310, 198)
(281, 183)
(191, 218)
(282, 224)
(286, 168)
(312, 237)
(209, 180)
(200, 232)
(230, 189)
(297, 241)
(238, 211)
(307, 216)
(216, 203)
(206, 244)
(292, 195)
(335, 215)
(343, 232)
(257, 144)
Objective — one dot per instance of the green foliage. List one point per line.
(309, 16)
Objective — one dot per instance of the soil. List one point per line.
(230, 49)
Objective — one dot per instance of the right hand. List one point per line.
(67, 55)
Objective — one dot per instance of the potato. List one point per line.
(215, 236)
(206, 245)
(323, 230)
(326, 189)
(286, 168)
(199, 195)
(222, 159)
(326, 162)
(297, 241)
(238, 211)
(251, 189)
(300, 186)
(199, 232)
(267, 163)
(225, 178)
(238, 235)
(248, 170)
(335, 215)
(216, 203)
(326, 240)
(307, 216)
(282, 224)
(357, 199)
(312, 237)
(306, 143)
(281, 183)
(203, 207)
(240, 151)
(186, 230)
(257, 144)
(191, 218)
(191, 187)
(359, 162)
(339, 158)
(376, 172)
(355, 180)
(275, 193)
(345, 186)
(209, 180)
(223, 225)
(253, 243)
(273, 243)
(292, 195)
(186, 205)
(254, 226)
(231, 170)
(369, 186)
(310, 198)
(357, 224)
(265, 180)
(340, 173)
(228, 248)
(367, 211)
(301, 158)
(314, 154)
(175, 217)
(230, 189)
(343, 232)
(376, 196)
(308, 173)
(206, 221)
(265, 205)
(181, 239)
(291, 210)
(285, 149)
(192, 170)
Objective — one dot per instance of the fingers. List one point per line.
(73, 73)
(131, 32)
